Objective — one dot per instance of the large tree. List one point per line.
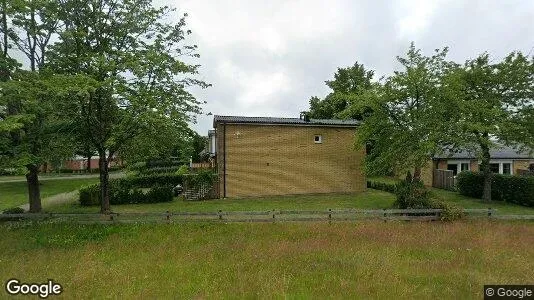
(26, 101)
(138, 63)
(347, 88)
(492, 101)
(406, 126)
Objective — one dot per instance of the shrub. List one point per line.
(449, 212)
(128, 190)
(13, 210)
(412, 195)
(182, 170)
(160, 170)
(383, 186)
(507, 188)
(152, 180)
(89, 195)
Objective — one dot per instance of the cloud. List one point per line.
(267, 58)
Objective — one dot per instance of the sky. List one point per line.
(267, 58)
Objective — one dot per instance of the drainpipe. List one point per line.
(224, 160)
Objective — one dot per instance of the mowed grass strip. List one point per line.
(371, 199)
(16, 193)
(286, 260)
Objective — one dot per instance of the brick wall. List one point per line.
(264, 160)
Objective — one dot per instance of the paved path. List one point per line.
(56, 199)
(59, 177)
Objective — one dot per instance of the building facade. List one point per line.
(285, 156)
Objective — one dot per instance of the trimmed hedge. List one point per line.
(386, 187)
(507, 188)
(90, 195)
(128, 190)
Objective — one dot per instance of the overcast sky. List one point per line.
(267, 58)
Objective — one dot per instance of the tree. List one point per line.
(492, 101)
(26, 114)
(140, 81)
(347, 88)
(35, 133)
(406, 126)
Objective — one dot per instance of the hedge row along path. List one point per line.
(265, 216)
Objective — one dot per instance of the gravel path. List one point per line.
(56, 199)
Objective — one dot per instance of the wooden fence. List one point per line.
(443, 179)
(262, 216)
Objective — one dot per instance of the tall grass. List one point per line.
(341, 260)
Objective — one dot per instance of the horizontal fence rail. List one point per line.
(263, 216)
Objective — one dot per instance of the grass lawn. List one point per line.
(16, 193)
(282, 260)
(372, 199)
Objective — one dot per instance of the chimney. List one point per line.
(304, 116)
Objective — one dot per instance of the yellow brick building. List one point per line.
(284, 156)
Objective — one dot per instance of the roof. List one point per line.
(500, 152)
(283, 121)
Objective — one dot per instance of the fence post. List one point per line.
(329, 216)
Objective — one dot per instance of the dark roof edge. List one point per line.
(284, 121)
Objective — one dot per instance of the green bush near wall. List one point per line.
(129, 190)
(507, 188)
(383, 186)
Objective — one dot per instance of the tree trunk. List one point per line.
(32, 178)
(88, 155)
(485, 165)
(416, 174)
(104, 183)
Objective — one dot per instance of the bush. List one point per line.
(386, 187)
(507, 188)
(412, 195)
(160, 170)
(128, 190)
(449, 212)
(14, 210)
(182, 170)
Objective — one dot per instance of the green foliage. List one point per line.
(124, 194)
(449, 212)
(128, 190)
(408, 119)
(412, 195)
(383, 186)
(13, 210)
(507, 188)
(182, 170)
(348, 87)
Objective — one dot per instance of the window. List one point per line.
(453, 168)
(465, 167)
(318, 139)
(507, 168)
(494, 168)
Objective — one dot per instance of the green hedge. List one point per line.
(507, 188)
(128, 190)
(90, 195)
(386, 187)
